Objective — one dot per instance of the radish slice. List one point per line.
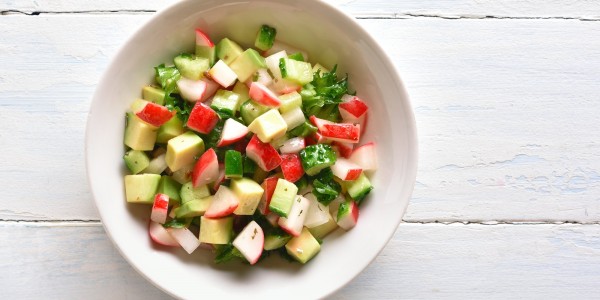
(344, 169)
(233, 131)
(250, 242)
(223, 204)
(295, 221)
(211, 88)
(365, 156)
(263, 154)
(345, 149)
(272, 62)
(272, 218)
(263, 95)
(160, 235)
(202, 118)
(263, 77)
(159, 208)
(151, 113)
(291, 167)
(221, 177)
(342, 132)
(206, 169)
(188, 241)
(284, 86)
(281, 46)
(191, 90)
(268, 186)
(202, 39)
(293, 145)
(222, 74)
(347, 215)
(318, 214)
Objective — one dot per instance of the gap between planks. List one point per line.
(367, 16)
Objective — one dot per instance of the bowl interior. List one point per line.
(329, 37)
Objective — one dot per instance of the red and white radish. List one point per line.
(211, 88)
(202, 118)
(263, 77)
(233, 131)
(250, 242)
(202, 39)
(263, 95)
(284, 86)
(365, 156)
(222, 74)
(345, 149)
(187, 239)
(220, 178)
(281, 46)
(268, 186)
(272, 218)
(291, 167)
(192, 90)
(295, 220)
(349, 216)
(159, 208)
(223, 204)
(206, 169)
(340, 132)
(160, 235)
(293, 145)
(263, 154)
(344, 169)
(272, 62)
(353, 109)
(318, 214)
(151, 113)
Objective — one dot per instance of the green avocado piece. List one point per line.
(191, 67)
(139, 135)
(276, 241)
(189, 193)
(194, 208)
(209, 53)
(153, 94)
(141, 188)
(228, 50)
(136, 161)
(303, 247)
(247, 64)
(169, 130)
(169, 187)
(226, 103)
(251, 110)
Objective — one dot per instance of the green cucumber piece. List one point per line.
(276, 240)
(249, 166)
(296, 56)
(225, 103)
(316, 158)
(265, 37)
(191, 67)
(303, 247)
(247, 64)
(194, 208)
(189, 193)
(251, 110)
(153, 94)
(136, 160)
(207, 52)
(241, 89)
(289, 102)
(283, 197)
(303, 130)
(141, 188)
(296, 71)
(228, 50)
(171, 188)
(234, 165)
(358, 189)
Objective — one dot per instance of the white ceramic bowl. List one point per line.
(329, 36)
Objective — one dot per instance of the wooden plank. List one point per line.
(579, 9)
(505, 112)
(421, 262)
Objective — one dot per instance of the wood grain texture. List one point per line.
(506, 111)
(576, 9)
(421, 262)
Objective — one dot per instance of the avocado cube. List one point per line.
(136, 160)
(268, 126)
(184, 175)
(303, 247)
(139, 135)
(216, 231)
(169, 187)
(242, 89)
(276, 240)
(169, 130)
(191, 67)
(226, 103)
(289, 102)
(248, 193)
(189, 193)
(251, 110)
(247, 64)
(153, 94)
(141, 188)
(183, 149)
(194, 208)
(324, 229)
(283, 197)
(228, 50)
(358, 189)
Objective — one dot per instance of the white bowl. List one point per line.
(329, 36)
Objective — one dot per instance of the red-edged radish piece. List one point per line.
(192, 90)
(284, 86)
(268, 186)
(318, 214)
(233, 131)
(187, 239)
(151, 113)
(365, 156)
(344, 169)
(291, 167)
(347, 215)
(342, 132)
(263, 77)
(207, 246)
(319, 123)
(263, 95)
(316, 138)
(202, 39)
(206, 169)
(223, 204)
(335, 204)
(202, 118)
(295, 220)
(352, 109)
(221, 177)
(272, 62)
(211, 88)
(160, 235)
(222, 74)
(272, 218)
(345, 149)
(263, 154)
(159, 208)
(293, 145)
(250, 242)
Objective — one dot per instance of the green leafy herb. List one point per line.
(325, 188)
(227, 253)
(167, 77)
(175, 223)
(325, 89)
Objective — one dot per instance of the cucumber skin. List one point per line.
(317, 157)
(234, 166)
(265, 37)
(136, 161)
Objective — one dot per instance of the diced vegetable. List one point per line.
(265, 37)
(283, 197)
(136, 160)
(317, 157)
(141, 188)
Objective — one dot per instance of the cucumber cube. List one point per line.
(297, 71)
(268, 126)
(324, 229)
(228, 50)
(251, 110)
(153, 94)
(247, 64)
(169, 130)
(171, 188)
(139, 135)
(249, 166)
(265, 37)
(359, 188)
(183, 149)
(316, 158)
(216, 231)
(226, 103)
(141, 188)
(248, 193)
(303, 247)
(136, 161)
(303, 130)
(283, 197)
(234, 165)
(289, 102)
(296, 56)
(194, 208)
(189, 193)
(241, 89)
(276, 240)
(191, 67)
(209, 53)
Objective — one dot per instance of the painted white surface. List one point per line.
(506, 111)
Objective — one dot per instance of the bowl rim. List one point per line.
(412, 135)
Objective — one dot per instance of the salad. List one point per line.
(247, 152)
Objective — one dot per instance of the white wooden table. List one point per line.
(506, 96)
